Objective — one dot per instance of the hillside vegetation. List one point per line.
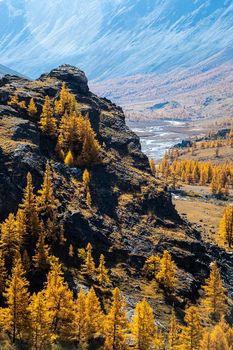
(93, 254)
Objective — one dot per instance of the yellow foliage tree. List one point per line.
(225, 236)
(69, 159)
(167, 274)
(173, 336)
(14, 101)
(32, 109)
(217, 338)
(17, 301)
(143, 327)
(46, 201)
(214, 301)
(40, 322)
(94, 315)
(3, 273)
(41, 257)
(115, 324)
(59, 302)
(48, 123)
(89, 265)
(102, 272)
(29, 207)
(79, 321)
(90, 153)
(191, 334)
(9, 242)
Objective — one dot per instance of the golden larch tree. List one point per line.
(167, 274)
(90, 153)
(59, 302)
(32, 109)
(69, 159)
(115, 324)
(102, 272)
(40, 322)
(3, 273)
(46, 200)
(173, 335)
(225, 236)
(88, 267)
(214, 301)
(41, 257)
(48, 123)
(94, 315)
(191, 334)
(9, 243)
(79, 321)
(29, 207)
(143, 326)
(17, 301)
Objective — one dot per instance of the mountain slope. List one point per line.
(115, 38)
(5, 70)
(188, 94)
(131, 216)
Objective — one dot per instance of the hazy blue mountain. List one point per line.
(117, 37)
(5, 70)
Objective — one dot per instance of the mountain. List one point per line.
(117, 38)
(131, 216)
(5, 70)
(188, 94)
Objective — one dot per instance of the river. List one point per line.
(158, 135)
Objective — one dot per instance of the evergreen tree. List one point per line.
(17, 300)
(167, 271)
(69, 159)
(89, 266)
(143, 327)
(151, 266)
(20, 226)
(102, 272)
(48, 123)
(115, 324)
(46, 201)
(9, 243)
(214, 301)
(79, 321)
(191, 334)
(226, 227)
(91, 148)
(40, 322)
(3, 273)
(14, 101)
(41, 258)
(29, 207)
(59, 302)
(94, 315)
(32, 109)
(173, 336)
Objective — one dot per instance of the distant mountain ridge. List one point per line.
(188, 94)
(5, 70)
(117, 38)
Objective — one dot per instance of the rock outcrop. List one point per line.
(132, 217)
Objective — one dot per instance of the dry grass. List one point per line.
(205, 216)
(209, 154)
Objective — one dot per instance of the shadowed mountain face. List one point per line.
(116, 38)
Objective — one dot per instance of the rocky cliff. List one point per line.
(131, 216)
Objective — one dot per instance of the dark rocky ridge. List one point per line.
(132, 218)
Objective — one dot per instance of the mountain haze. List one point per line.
(117, 38)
